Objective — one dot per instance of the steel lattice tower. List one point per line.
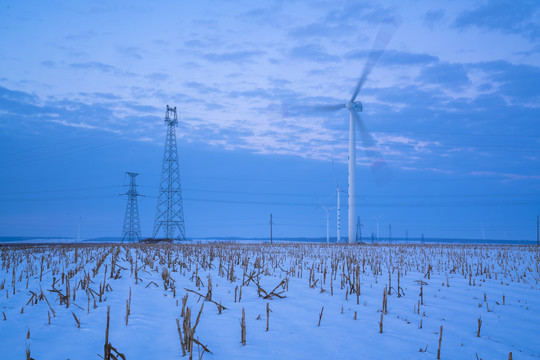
(170, 210)
(132, 226)
(358, 230)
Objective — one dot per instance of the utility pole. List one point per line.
(389, 232)
(79, 230)
(406, 234)
(271, 223)
(338, 215)
(422, 238)
(132, 227)
(170, 209)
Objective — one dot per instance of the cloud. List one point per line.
(507, 176)
(312, 52)
(506, 16)
(453, 76)
(82, 36)
(25, 111)
(267, 126)
(9, 98)
(85, 126)
(101, 96)
(367, 11)
(158, 76)
(279, 82)
(99, 66)
(252, 93)
(238, 57)
(400, 98)
(394, 57)
(416, 145)
(142, 108)
(321, 30)
(534, 50)
(194, 43)
(433, 18)
(432, 169)
(93, 65)
(519, 82)
(49, 64)
(131, 51)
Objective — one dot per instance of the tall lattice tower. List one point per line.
(132, 226)
(358, 230)
(170, 210)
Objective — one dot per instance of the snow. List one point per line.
(151, 333)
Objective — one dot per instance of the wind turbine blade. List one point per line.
(328, 107)
(288, 110)
(369, 144)
(381, 41)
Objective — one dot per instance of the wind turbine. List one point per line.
(377, 218)
(327, 222)
(354, 107)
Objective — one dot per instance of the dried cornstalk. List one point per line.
(439, 349)
(181, 339)
(77, 320)
(243, 327)
(479, 326)
(267, 315)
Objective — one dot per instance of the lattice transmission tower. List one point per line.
(170, 210)
(358, 231)
(132, 225)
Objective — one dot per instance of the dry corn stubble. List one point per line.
(94, 269)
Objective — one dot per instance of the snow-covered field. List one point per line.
(460, 284)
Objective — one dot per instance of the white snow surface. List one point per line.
(151, 333)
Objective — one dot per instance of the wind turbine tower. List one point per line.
(132, 226)
(170, 209)
(377, 219)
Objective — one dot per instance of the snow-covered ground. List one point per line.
(503, 293)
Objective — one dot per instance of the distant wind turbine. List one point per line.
(377, 218)
(354, 108)
(327, 222)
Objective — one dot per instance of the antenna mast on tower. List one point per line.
(132, 226)
(170, 210)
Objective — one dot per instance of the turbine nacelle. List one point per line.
(354, 105)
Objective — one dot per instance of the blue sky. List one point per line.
(453, 106)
